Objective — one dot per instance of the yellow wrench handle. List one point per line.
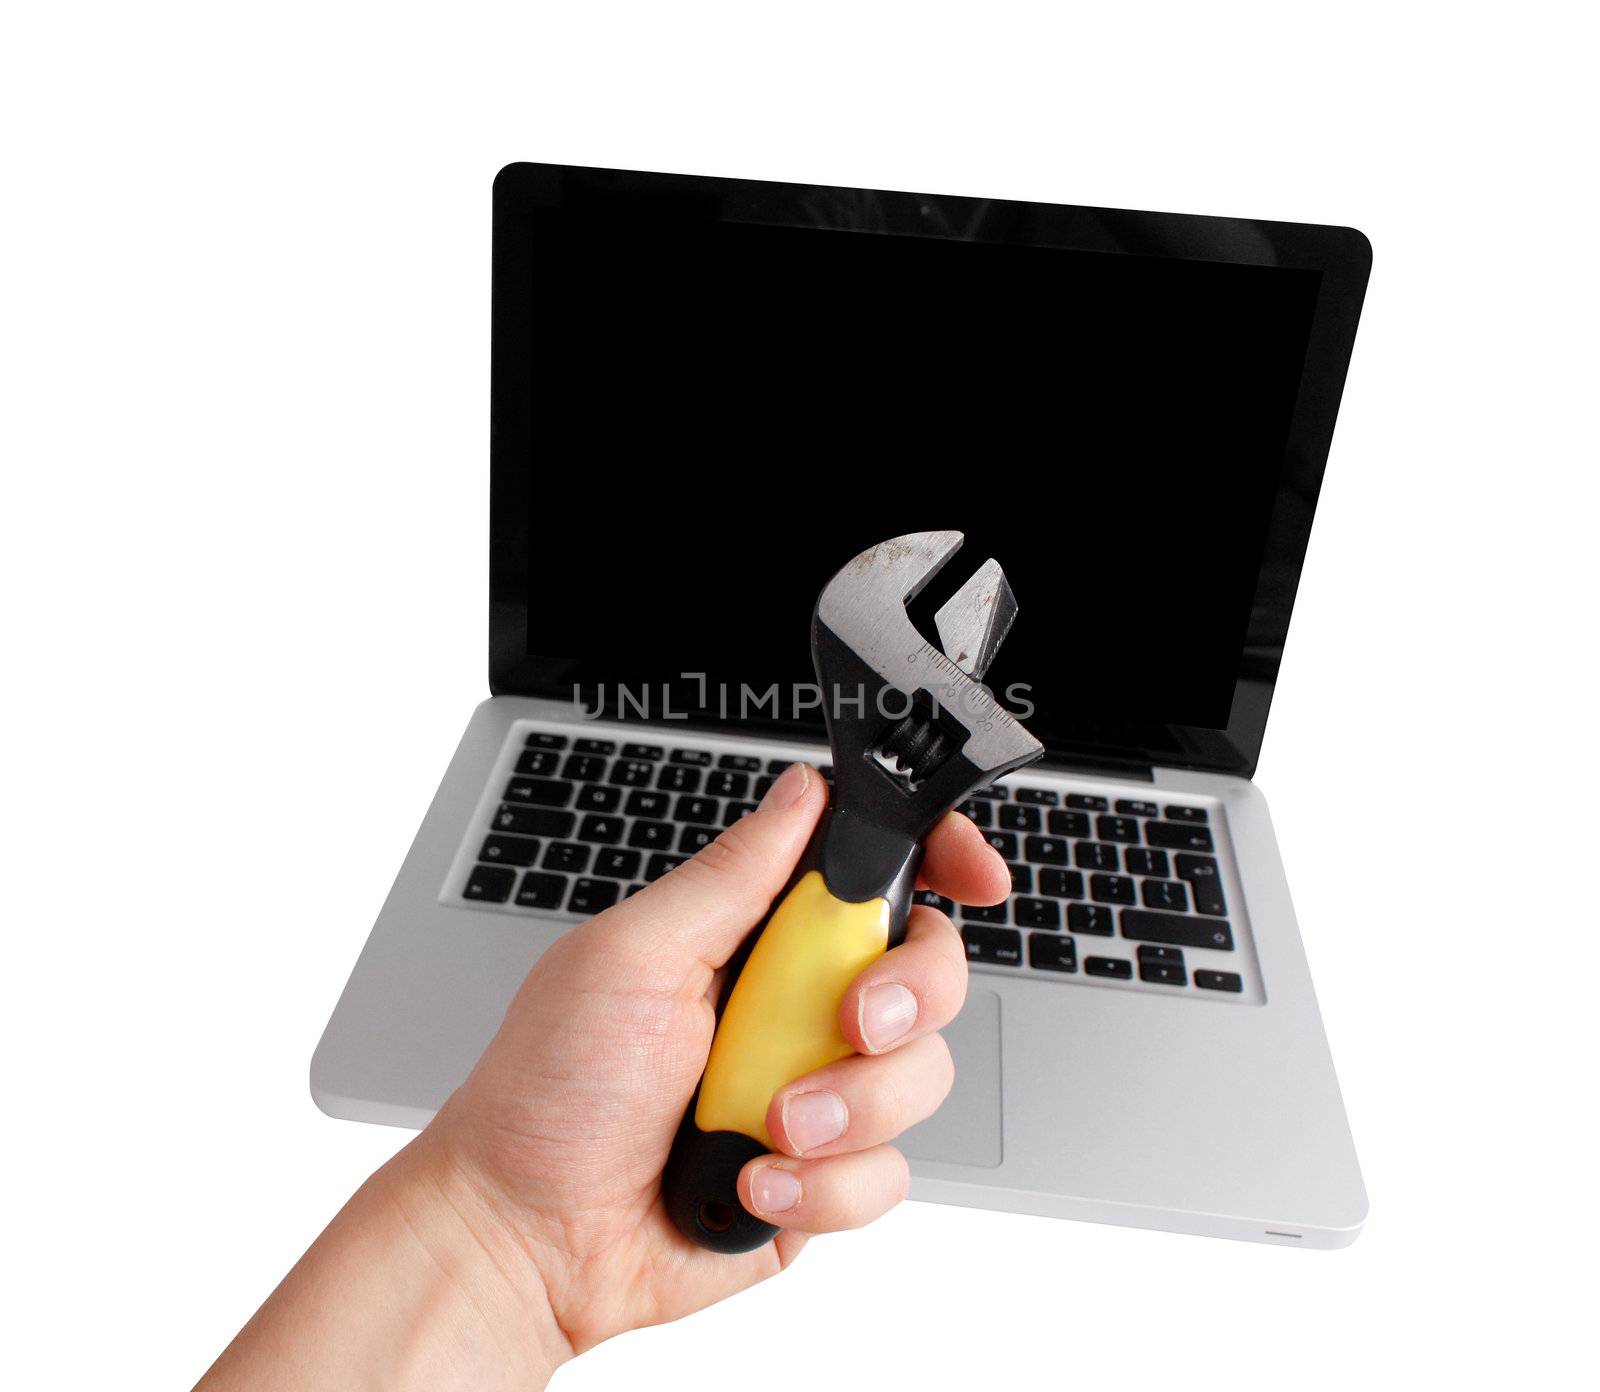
(782, 1018)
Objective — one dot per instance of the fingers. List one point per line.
(861, 1102)
(963, 866)
(911, 990)
(827, 1195)
(709, 903)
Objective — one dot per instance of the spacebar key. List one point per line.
(1180, 930)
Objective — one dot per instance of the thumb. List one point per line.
(705, 906)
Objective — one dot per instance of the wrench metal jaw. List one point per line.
(913, 731)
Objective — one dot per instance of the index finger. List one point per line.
(959, 864)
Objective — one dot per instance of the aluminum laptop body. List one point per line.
(690, 374)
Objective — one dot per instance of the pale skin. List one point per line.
(524, 1225)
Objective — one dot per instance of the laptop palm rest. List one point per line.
(966, 1130)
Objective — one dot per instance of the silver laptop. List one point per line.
(710, 393)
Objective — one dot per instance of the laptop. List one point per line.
(708, 394)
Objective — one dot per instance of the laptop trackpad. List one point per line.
(966, 1130)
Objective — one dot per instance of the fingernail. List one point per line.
(773, 1189)
(887, 1012)
(812, 1119)
(787, 791)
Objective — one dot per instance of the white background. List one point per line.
(245, 335)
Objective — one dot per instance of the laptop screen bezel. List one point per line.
(1341, 255)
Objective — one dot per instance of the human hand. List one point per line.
(525, 1223)
(565, 1124)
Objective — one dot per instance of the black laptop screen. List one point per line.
(727, 411)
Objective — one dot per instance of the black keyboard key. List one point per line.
(643, 751)
(1149, 952)
(652, 836)
(1086, 802)
(591, 896)
(689, 808)
(1015, 816)
(603, 831)
(695, 838)
(1143, 862)
(632, 773)
(1197, 867)
(1162, 965)
(1069, 824)
(777, 766)
(542, 792)
(1052, 952)
(934, 901)
(740, 763)
(1039, 797)
(567, 856)
(1094, 855)
(1176, 836)
(598, 797)
(1062, 884)
(534, 821)
(660, 863)
(509, 850)
(632, 890)
(1209, 898)
(538, 763)
(596, 746)
(985, 913)
(1021, 878)
(1036, 913)
(1144, 925)
(1164, 894)
(1114, 967)
(1089, 918)
(721, 783)
(644, 803)
(761, 787)
(583, 768)
(617, 864)
(540, 891)
(1205, 882)
(1046, 850)
(1218, 981)
(490, 884)
(1188, 814)
(543, 739)
(1004, 842)
(679, 778)
(1002, 946)
(734, 810)
(1111, 889)
(981, 812)
(1129, 807)
(1124, 829)
(700, 758)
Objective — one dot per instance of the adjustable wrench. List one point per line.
(914, 732)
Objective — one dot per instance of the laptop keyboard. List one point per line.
(1106, 889)
(585, 821)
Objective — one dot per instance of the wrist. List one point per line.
(408, 1288)
(502, 1300)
